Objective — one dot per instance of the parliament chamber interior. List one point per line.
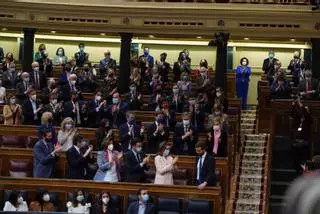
(160, 106)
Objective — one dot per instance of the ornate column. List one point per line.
(28, 50)
(220, 40)
(124, 62)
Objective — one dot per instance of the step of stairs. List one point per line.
(248, 205)
(253, 187)
(254, 149)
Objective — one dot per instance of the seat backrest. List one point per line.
(198, 207)
(150, 175)
(169, 205)
(20, 168)
(132, 198)
(14, 141)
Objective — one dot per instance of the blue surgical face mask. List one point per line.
(166, 152)
(81, 49)
(145, 198)
(271, 56)
(146, 53)
(115, 100)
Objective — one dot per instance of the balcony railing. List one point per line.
(282, 2)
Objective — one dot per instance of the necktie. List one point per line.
(199, 168)
(309, 85)
(185, 129)
(138, 158)
(37, 80)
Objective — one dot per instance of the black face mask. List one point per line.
(48, 140)
(68, 69)
(50, 120)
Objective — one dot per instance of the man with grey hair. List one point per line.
(37, 78)
(69, 88)
(106, 63)
(268, 63)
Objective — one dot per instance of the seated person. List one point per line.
(32, 109)
(104, 205)
(308, 86)
(81, 57)
(109, 162)
(10, 77)
(205, 166)
(78, 203)
(176, 100)
(60, 58)
(142, 205)
(281, 89)
(12, 112)
(136, 162)
(164, 163)
(185, 136)
(157, 132)
(15, 203)
(133, 98)
(217, 139)
(67, 133)
(117, 111)
(45, 156)
(42, 202)
(130, 130)
(78, 159)
(106, 63)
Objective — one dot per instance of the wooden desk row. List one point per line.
(63, 186)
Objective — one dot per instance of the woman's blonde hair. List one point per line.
(65, 121)
(45, 117)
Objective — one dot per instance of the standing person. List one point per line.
(45, 156)
(109, 162)
(217, 139)
(268, 63)
(242, 81)
(157, 132)
(23, 88)
(60, 58)
(164, 164)
(104, 130)
(12, 112)
(10, 77)
(95, 109)
(295, 68)
(41, 49)
(15, 203)
(32, 109)
(46, 124)
(104, 205)
(81, 56)
(146, 62)
(106, 64)
(163, 67)
(66, 134)
(182, 65)
(142, 205)
(77, 159)
(136, 162)
(206, 166)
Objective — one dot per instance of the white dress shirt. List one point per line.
(199, 165)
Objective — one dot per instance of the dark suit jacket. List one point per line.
(44, 162)
(103, 64)
(1, 54)
(177, 107)
(81, 58)
(9, 82)
(42, 80)
(125, 138)
(190, 141)
(66, 93)
(20, 89)
(223, 145)
(282, 93)
(63, 79)
(197, 120)
(154, 141)
(314, 86)
(94, 116)
(134, 208)
(133, 102)
(134, 172)
(98, 210)
(120, 117)
(76, 164)
(207, 172)
(267, 67)
(28, 114)
(68, 110)
(170, 121)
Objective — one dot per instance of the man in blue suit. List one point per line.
(142, 205)
(106, 64)
(95, 109)
(117, 111)
(45, 156)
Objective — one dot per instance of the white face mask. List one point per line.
(139, 149)
(115, 100)
(60, 53)
(105, 200)
(34, 97)
(36, 69)
(218, 94)
(73, 82)
(55, 101)
(166, 152)
(185, 122)
(175, 90)
(244, 63)
(20, 200)
(46, 197)
(110, 147)
(80, 198)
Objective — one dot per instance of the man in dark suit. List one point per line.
(268, 64)
(106, 64)
(308, 86)
(45, 156)
(164, 67)
(185, 136)
(23, 88)
(77, 159)
(142, 205)
(10, 77)
(69, 88)
(133, 98)
(50, 89)
(169, 116)
(55, 108)
(37, 78)
(117, 111)
(1, 54)
(128, 131)
(157, 132)
(32, 109)
(81, 56)
(206, 166)
(95, 107)
(280, 89)
(73, 108)
(136, 162)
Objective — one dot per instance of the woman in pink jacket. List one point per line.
(165, 164)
